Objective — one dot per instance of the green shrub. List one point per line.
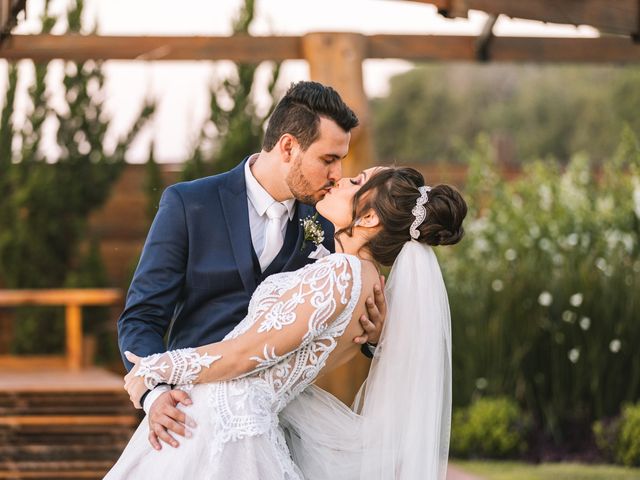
(619, 439)
(489, 428)
(543, 288)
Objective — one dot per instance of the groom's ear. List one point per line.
(288, 145)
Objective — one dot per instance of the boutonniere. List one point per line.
(312, 230)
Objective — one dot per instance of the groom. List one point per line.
(215, 239)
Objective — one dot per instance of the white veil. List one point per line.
(406, 401)
(401, 425)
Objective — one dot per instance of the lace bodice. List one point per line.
(310, 307)
(300, 315)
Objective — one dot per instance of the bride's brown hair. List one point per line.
(392, 193)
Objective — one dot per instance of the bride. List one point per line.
(258, 415)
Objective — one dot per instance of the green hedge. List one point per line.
(619, 439)
(489, 428)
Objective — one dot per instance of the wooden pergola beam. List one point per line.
(613, 16)
(42, 48)
(98, 47)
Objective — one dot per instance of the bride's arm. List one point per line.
(285, 321)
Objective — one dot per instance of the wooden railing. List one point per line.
(73, 300)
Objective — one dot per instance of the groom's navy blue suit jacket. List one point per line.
(198, 268)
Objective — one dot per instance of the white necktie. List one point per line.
(273, 238)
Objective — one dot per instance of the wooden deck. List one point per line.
(60, 423)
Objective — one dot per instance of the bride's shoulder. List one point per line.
(364, 274)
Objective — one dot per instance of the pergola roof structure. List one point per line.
(609, 16)
(336, 58)
(617, 20)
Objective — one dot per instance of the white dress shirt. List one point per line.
(258, 200)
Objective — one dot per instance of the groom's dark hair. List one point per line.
(299, 112)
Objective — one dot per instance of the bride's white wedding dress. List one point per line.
(238, 434)
(272, 424)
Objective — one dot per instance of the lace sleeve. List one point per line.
(286, 317)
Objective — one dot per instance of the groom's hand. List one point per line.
(376, 314)
(165, 417)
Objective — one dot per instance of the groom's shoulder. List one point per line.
(202, 186)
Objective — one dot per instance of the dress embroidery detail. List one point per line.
(249, 406)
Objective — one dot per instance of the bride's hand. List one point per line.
(134, 386)
(377, 314)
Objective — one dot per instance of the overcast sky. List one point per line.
(181, 87)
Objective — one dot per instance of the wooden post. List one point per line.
(335, 59)
(73, 320)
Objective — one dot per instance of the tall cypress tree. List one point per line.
(236, 130)
(44, 219)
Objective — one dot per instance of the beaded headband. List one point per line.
(419, 212)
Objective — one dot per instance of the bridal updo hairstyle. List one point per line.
(392, 194)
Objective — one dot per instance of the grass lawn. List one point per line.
(555, 471)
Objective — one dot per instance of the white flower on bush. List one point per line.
(573, 239)
(534, 231)
(628, 240)
(576, 300)
(481, 383)
(545, 244)
(497, 285)
(481, 244)
(574, 355)
(605, 205)
(604, 267)
(612, 237)
(517, 202)
(557, 259)
(572, 195)
(510, 255)
(615, 345)
(585, 323)
(477, 226)
(585, 240)
(545, 299)
(546, 197)
(569, 316)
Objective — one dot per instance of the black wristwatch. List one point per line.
(366, 349)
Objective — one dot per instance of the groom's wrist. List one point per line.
(368, 349)
(150, 396)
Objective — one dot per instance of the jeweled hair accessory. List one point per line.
(419, 211)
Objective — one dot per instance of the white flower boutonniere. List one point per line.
(312, 230)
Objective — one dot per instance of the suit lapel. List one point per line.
(233, 198)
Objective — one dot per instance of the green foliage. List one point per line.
(619, 439)
(543, 287)
(45, 205)
(489, 428)
(534, 111)
(234, 127)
